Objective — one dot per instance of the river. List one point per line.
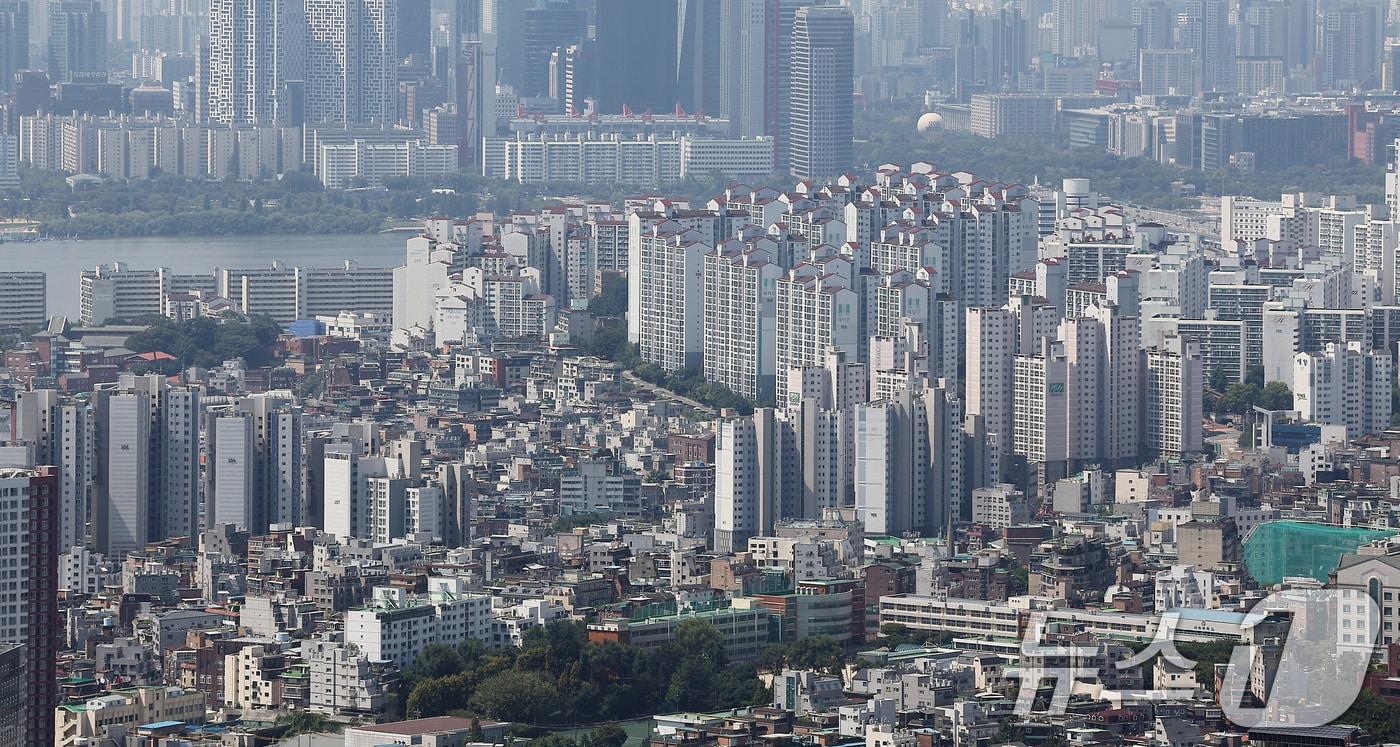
(62, 261)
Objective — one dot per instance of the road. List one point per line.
(664, 393)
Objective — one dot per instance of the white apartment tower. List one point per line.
(1174, 383)
(746, 478)
(817, 313)
(1344, 385)
(667, 318)
(60, 431)
(909, 462)
(739, 317)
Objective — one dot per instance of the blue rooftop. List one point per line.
(161, 725)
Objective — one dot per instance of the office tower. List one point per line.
(909, 462)
(739, 309)
(351, 62)
(818, 313)
(747, 480)
(14, 41)
(668, 325)
(1152, 25)
(60, 431)
(1076, 24)
(1349, 45)
(29, 526)
(1167, 72)
(1174, 383)
(1344, 384)
(756, 67)
(1207, 31)
(254, 48)
(255, 458)
(636, 55)
(554, 25)
(475, 76)
(146, 464)
(505, 20)
(699, 64)
(77, 39)
(414, 29)
(822, 113)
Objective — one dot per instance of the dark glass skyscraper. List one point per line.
(822, 110)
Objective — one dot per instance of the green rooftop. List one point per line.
(1279, 549)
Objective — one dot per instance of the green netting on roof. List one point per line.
(1295, 548)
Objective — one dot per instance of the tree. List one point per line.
(524, 697)
(1238, 399)
(437, 696)
(437, 660)
(607, 735)
(307, 722)
(698, 639)
(1276, 396)
(1218, 379)
(818, 652)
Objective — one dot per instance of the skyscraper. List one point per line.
(756, 66)
(14, 41)
(77, 38)
(60, 431)
(414, 30)
(29, 610)
(255, 47)
(1207, 31)
(551, 26)
(823, 72)
(351, 62)
(636, 55)
(146, 463)
(909, 462)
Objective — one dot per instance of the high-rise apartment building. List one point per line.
(739, 313)
(255, 467)
(909, 462)
(1206, 30)
(254, 48)
(1344, 384)
(29, 612)
(146, 469)
(23, 298)
(351, 62)
(818, 312)
(1173, 383)
(59, 429)
(822, 106)
(669, 267)
(747, 481)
